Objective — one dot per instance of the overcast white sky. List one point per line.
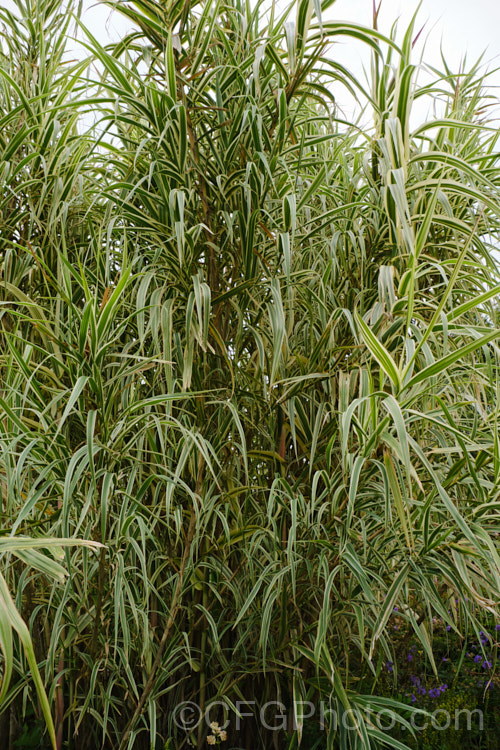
(460, 26)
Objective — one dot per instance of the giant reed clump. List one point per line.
(251, 349)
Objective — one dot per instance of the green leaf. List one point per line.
(379, 352)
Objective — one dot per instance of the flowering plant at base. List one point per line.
(219, 735)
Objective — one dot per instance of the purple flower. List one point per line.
(444, 658)
(448, 627)
(477, 658)
(396, 609)
(413, 698)
(434, 693)
(486, 664)
(389, 666)
(443, 688)
(410, 656)
(497, 628)
(422, 690)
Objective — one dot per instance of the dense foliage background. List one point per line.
(251, 349)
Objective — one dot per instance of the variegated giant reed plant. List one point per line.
(252, 350)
